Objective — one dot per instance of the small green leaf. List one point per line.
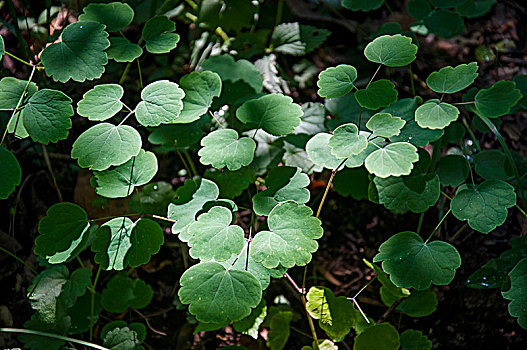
(76, 286)
(11, 90)
(297, 39)
(475, 8)
(346, 141)
(47, 115)
(104, 145)
(444, 23)
(450, 80)
(178, 136)
(420, 303)
(10, 173)
(498, 99)
(380, 93)
(121, 338)
(231, 183)
(435, 114)
(336, 81)
(385, 125)
(274, 113)
(414, 340)
(138, 329)
(493, 165)
(362, 5)
(122, 50)
(222, 148)
(80, 55)
(115, 15)
(418, 9)
(382, 336)
(234, 71)
(44, 291)
(391, 50)
(387, 285)
(291, 239)
(283, 183)
(102, 102)
(517, 293)
(238, 15)
(122, 292)
(146, 240)
(484, 206)
(452, 170)
(161, 103)
(122, 180)
(200, 89)
(411, 263)
(312, 122)
(395, 159)
(217, 295)
(158, 35)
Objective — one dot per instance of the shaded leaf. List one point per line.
(382, 336)
(498, 99)
(517, 293)
(380, 93)
(414, 340)
(122, 292)
(158, 35)
(10, 173)
(279, 330)
(449, 80)
(444, 23)
(493, 165)
(362, 5)
(115, 15)
(11, 90)
(234, 71)
(122, 50)
(452, 170)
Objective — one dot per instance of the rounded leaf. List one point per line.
(498, 99)
(101, 102)
(382, 336)
(146, 240)
(380, 93)
(385, 125)
(391, 50)
(223, 148)
(161, 103)
(115, 15)
(122, 292)
(452, 170)
(10, 173)
(414, 340)
(122, 50)
(395, 159)
(200, 89)
(517, 293)
(450, 80)
(346, 141)
(158, 35)
(435, 114)
(444, 23)
(336, 81)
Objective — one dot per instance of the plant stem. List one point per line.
(412, 84)
(293, 283)
(311, 325)
(18, 59)
(446, 195)
(51, 335)
(463, 103)
(140, 75)
(127, 116)
(192, 4)
(421, 217)
(521, 210)
(438, 225)
(19, 260)
(279, 11)
(92, 304)
(189, 159)
(217, 121)
(374, 74)
(472, 135)
(185, 165)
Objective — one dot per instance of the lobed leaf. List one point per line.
(122, 50)
(385, 125)
(380, 93)
(115, 15)
(336, 81)
(122, 292)
(158, 35)
(10, 173)
(347, 141)
(391, 50)
(498, 99)
(435, 114)
(101, 102)
(517, 293)
(395, 159)
(449, 80)
(222, 148)
(161, 103)
(200, 89)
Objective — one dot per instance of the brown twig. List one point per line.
(148, 323)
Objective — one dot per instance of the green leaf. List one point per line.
(418, 9)
(346, 141)
(218, 295)
(44, 291)
(231, 183)
(283, 183)
(11, 90)
(115, 15)
(450, 80)
(178, 136)
(387, 285)
(146, 240)
(121, 338)
(345, 109)
(335, 315)
(297, 39)
(62, 230)
(274, 113)
(444, 23)
(411, 263)
(213, 237)
(122, 292)
(234, 71)
(153, 199)
(475, 8)
(138, 330)
(279, 330)
(352, 182)
(362, 5)
(191, 198)
(222, 148)
(36, 342)
(382, 336)
(391, 50)
(435, 114)
(380, 93)
(395, 159)
(158, 35)
(122, 50)
(102, 102)
(76, 286)
(414, 340)
(200, 89)
(10, 173)
(385, 125)
(121, 181)
(80, 313)
(80, 55)
(452, 170)
(517, 293)
(104, 145)
(47, 115)
(446, 3)
(336, 81)
(238, 15)
(291, 238)
(161, 103)
(312, 122)
(484, 206)
(2, 47)
(250, 325)
(420, 303)
(498, 99)
(493, 165)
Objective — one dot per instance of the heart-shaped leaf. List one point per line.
(346, 141)
(380, 93)
(222, 148)
(161, 103)
(234, 71)
(200, 88)
(450, 80)
(452, 170)
(122, 50)
(517, 292)
(115, 15)
(414, 340)
(395, 159)
(158, 35)
(498, 99)
(102, 102)
(11, 90)
(435, 114)
(336, 81)
(385, 125)
(122, 292)
(380, 336)
(493, 165)
(444, 23)
(391, 50)
(10, 173)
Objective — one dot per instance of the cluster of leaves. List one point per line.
(373, 145)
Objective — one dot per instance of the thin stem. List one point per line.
(463, 103)
(363, 288)
(126, 107)
(311, 325)
(192, 4)
(221, 33)
(472, 135)
(521, 210)
(161, 218)
(360, 310)
(217, 121)
(279, 11)
(80, 262)
(446, 195)
(140, 75)
(421, 217)
(18, 59)
(51, 335)
(92, 304)
(125, 73)
(19, 260)
(388, 7)
(185, 165)
(438, 225)
(127, 116)
(293, 283)
(374, 74)
(115, 216)
(412, 84)
(48, 164)
(189, 159)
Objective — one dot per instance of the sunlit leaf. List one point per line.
(159, 36)
(161, 103)
(391, 50)
(395, 159)
(385, 125)
(200, 89)
(102, 102)
(449, 80)
(222, 148)
(336, 81)
(435, 114)
(347, 141)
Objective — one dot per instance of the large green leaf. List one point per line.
(122, 292)
(498, 99)
(382, 336)
(452, 170)
(177, 136)
(435, 114)
(391, 50)
(62, 230)
(347, 141)
(411, 263)
(283, 183)
(10, 173)
(380, 93)
(11, 90)
(279, 330)
(444, 23)
(450, 80)
(385, 125)
(222, 148)
(158, 35)
(291, 239)
(484, 206)
(115, 15)
(200, 88)
(122, 50)
(395, 159)
(76, 286)
(218, 295)
(414, 340)
(46, 116)
(362, 5)
(80, 55)
(191, 198)
(234, 71)
(518, 293)
(104, 145)
(122, 180)
(161, 103)
(102, 102)
(336, 81)
(493, 165)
